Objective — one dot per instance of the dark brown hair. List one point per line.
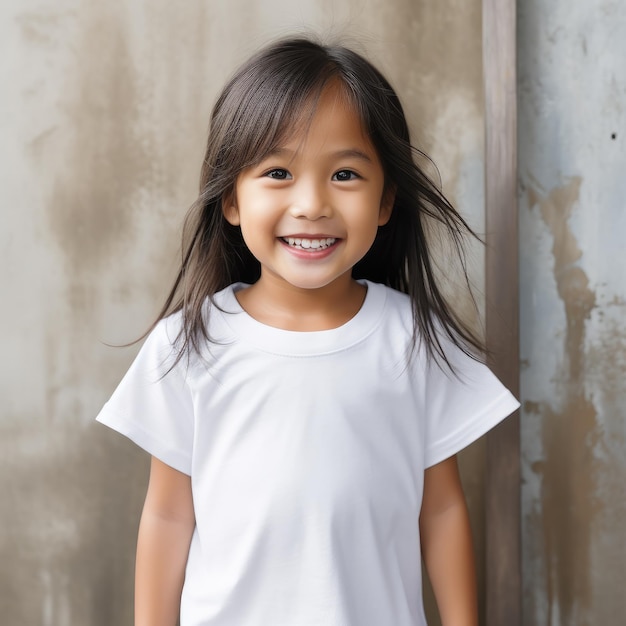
(264, 100)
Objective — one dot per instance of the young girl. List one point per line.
(306, 387)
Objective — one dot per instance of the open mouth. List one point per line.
(309, 244)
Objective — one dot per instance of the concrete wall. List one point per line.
(572, 97)
(104, 109)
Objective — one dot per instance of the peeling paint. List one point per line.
(571, 112)
(570, 430)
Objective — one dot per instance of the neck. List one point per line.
(279, 304)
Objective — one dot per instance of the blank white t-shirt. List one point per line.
(306, 452)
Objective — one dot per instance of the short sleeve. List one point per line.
(461, 406)
(153, 406)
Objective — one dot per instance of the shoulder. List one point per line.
(161, 346)
(397, 301)
(392, 303)
(399, 321)
(169, 331)
(394, 321)
(188, 345)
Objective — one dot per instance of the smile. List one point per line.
(309, 244)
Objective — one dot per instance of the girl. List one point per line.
(306, 387)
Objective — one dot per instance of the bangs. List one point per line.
(269, 100)
(295, 118)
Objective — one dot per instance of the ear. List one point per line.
(386, 205)
(230, 209)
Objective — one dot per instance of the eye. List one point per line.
(278, 174)
(345, 175)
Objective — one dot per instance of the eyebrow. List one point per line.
(341, 154)
(354, 154)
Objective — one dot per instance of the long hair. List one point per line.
(264, 101)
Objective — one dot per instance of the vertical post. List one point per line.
(503, 507)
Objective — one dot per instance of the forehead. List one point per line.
(330, 122)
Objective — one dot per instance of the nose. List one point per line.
(310, 201)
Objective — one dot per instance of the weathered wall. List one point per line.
(572, 97)
(104, 109)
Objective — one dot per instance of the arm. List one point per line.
(447, 545)
(165, 530)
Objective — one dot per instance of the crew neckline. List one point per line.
(301, 343)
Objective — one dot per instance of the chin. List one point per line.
(310, 284)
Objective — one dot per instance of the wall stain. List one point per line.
(114, 139)
(607, 372)
(569, 426)
(41, 26)
(104, 164)
(68, 539)
(68, 532)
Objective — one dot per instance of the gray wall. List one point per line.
(572, 97)
(104, 110)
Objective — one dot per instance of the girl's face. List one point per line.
(311, 209)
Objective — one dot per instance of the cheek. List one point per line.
(257, 203)
(258, 226)
(365, 214)
(362, 235)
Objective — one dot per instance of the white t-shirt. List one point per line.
(306, 452)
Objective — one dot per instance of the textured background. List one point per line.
(104, 115)
(572, 167)
(104, 112)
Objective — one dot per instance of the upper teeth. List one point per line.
(310, 243)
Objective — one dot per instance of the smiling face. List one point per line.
(310, 210)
